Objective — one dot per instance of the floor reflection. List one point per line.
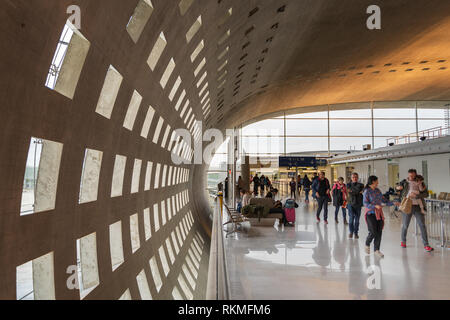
(315, 261)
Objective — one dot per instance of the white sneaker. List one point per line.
(379, 254)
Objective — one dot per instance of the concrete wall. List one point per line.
(170, 227)
(438, 170)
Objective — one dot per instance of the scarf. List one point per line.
(379, 214)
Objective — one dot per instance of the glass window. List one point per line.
(264, 127)
(409, 113)
(295, 145)
(394, 127)
(306, 127)
(431, 113)
(263, 144)
(355, 113)
(344, 144)
(431, 124)
(309, 115)
(351, 127)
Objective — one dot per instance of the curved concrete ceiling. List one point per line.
(321, 52)
(137, 70)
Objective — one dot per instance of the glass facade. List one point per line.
(346, 127)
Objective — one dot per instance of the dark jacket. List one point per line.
(355, 197)
(422, 196)
(338, 195)
(321, 186)
(306, 184)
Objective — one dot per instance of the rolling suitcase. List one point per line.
(290, 214)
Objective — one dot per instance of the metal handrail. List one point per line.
(438, 220)
(218, 287)
(431, 133)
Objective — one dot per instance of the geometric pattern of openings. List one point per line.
(102, 210)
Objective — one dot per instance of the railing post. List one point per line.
(441, 215)
(221, 203)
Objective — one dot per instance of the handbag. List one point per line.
(406, 205)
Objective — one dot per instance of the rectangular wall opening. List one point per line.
(139, 19)
(68, 61)
(155, 273)
(41, 176)
(147, 122)
(133, 110)
(157, 173)
(167, 73)
(184, 6)
(118, 176)
(148, 176)
(116, 244)
(88, 278)
(35, 279)
(194, 29)
(108, 95)
(147, 224)
(126, 295)
(90, 176)
(134, 232)
(199, 67)
(143, 287)
(157, 51)
(156, 216)
(197, 50)
(158, 130)
(136, 176)
(175, 88)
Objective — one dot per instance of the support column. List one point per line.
(245, 172)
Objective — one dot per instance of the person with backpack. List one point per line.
(292, 186)
(262, 184)
(340, 199)
(355, 191)
(306, 187)
(256, 182)
(321, 189)
(315, 177)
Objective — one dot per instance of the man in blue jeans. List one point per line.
(355, 191)
(321, 188)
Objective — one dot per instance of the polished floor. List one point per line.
(315, 261)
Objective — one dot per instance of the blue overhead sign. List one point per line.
(305, 162)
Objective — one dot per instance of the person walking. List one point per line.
(306, 187)
(373, 200)
(321, 189)
(299, 185)
(355, 191)
(292, 186)
(340, 199)
(262, 184)
(315, 177)
(256, 182)
(240, 183)
(416, 191)
(226, 187)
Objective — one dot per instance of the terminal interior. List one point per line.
(103, 197)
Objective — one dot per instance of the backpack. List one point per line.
(290, 204)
